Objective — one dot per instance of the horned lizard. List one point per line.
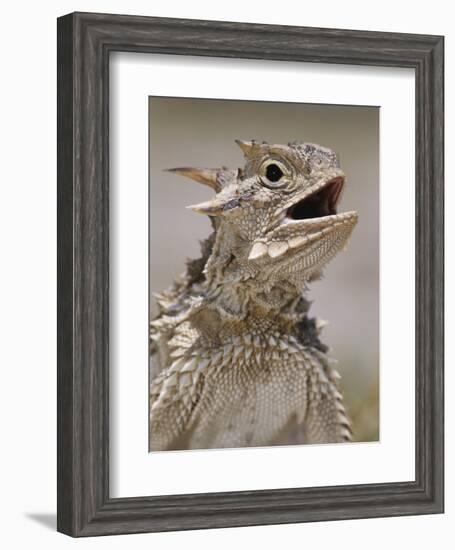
(236, 360)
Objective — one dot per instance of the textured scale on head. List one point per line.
(275, 227)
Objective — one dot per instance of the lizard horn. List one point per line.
(210, 208)
(217, 206)
(206, 176)
(250, 148)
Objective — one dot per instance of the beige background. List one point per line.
(200, 132)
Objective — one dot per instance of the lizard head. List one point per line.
(276, 218)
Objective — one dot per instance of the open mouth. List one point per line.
(295, 234)
(322, 202)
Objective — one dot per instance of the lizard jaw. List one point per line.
(303, 234)
(308, 219)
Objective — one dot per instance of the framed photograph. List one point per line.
(250, 274)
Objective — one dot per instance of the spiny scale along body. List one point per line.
(236, 361)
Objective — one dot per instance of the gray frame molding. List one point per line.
(84, 43)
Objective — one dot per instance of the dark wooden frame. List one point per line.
(84, 44)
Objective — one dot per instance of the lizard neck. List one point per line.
(240, 288)
(217, 326)
(229, 299)
(246, 302)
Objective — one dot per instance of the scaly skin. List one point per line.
(235, 359)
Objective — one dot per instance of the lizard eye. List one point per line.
(273, 173)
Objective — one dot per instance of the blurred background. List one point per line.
(201, 133)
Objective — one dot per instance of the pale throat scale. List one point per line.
(235, 359)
